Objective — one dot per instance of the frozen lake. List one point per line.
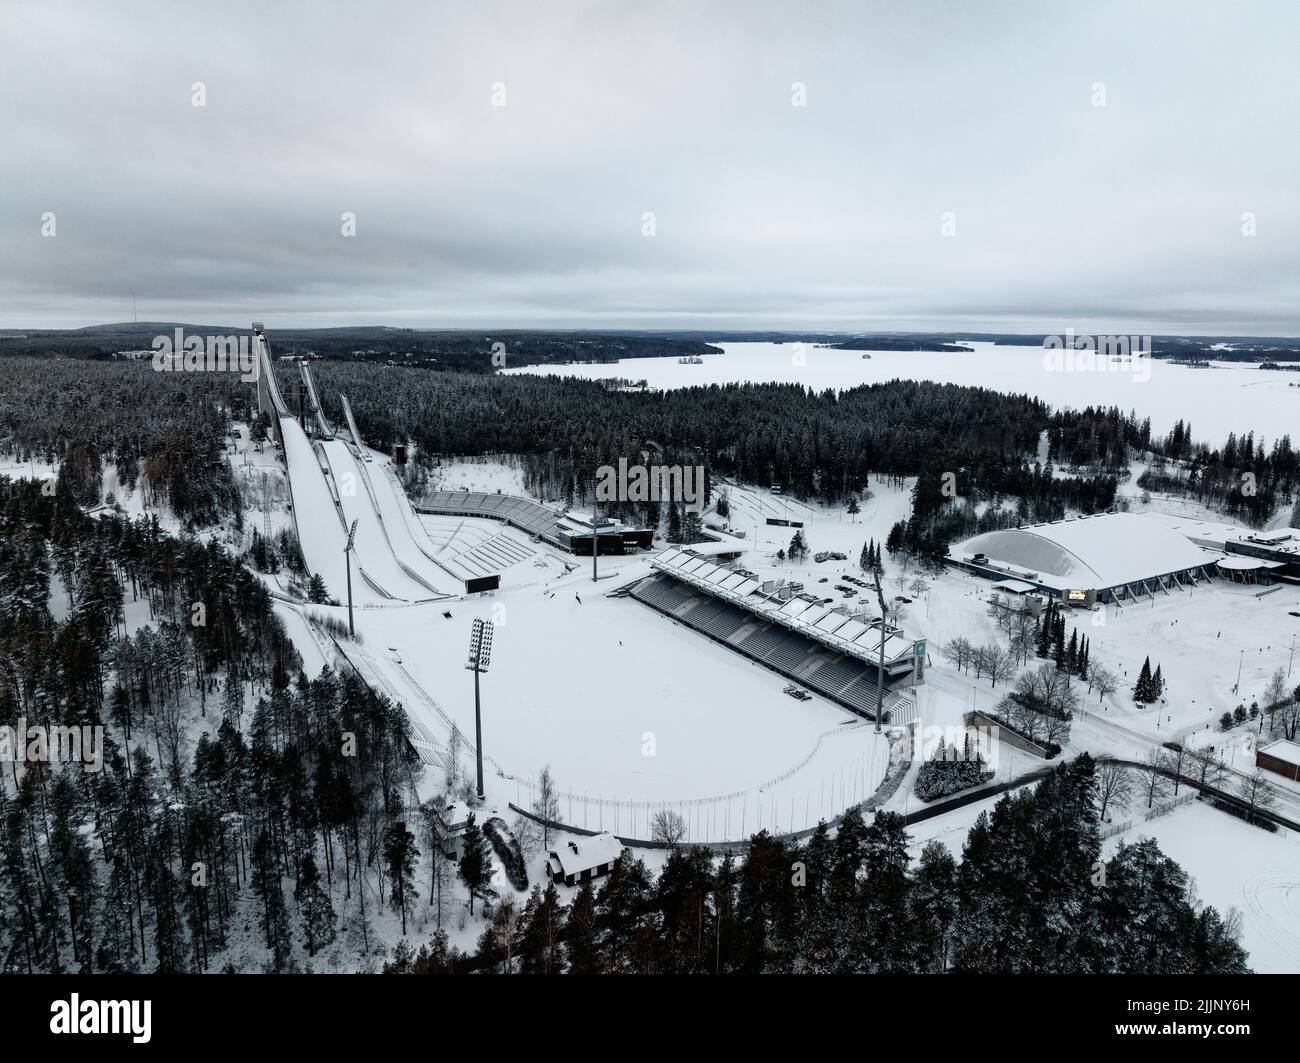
(1226, 398)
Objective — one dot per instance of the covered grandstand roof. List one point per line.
(1087, 553)
(854, 635)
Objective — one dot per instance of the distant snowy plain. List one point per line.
(1229, 397)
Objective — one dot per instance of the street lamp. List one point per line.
(347, 562)
(480, 656)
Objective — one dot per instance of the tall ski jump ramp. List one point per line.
(331, 486)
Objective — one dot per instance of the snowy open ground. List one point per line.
(490, 475)
(1235, 865)
(1199, 638)
(625, 705)
(1227, 398)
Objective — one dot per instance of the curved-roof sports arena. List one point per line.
(1083, 560)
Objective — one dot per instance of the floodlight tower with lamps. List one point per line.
(347, 562)
(595, 530)
(480, 656)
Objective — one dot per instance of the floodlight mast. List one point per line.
(480, 656)
(595, 529)
(347, 562)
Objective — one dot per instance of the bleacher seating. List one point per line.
(845, 679)
(790, 653)
(836, 675)
(523, 513)
(763, 641)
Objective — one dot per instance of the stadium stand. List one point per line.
(807, 659)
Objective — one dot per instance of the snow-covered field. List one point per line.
(630, 709)
(1227, 398)
(1199, 638)
(492, 475)
(1235, 865)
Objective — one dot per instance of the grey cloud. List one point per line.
(1124, 216)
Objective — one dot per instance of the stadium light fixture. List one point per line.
(347, 564)
(480, 656)
(480, 646)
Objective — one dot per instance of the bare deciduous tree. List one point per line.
(1048, 690)
(958, 652)
(998, 663)
(1114, 787)
(668, 827)
(1154, 783)
(546, 806)
(1256, 791)
(1203, 761)
(1103, 680)
(1178, 760)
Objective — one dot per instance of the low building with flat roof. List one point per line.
(1281, 757)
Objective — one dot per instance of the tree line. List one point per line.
(1031, 894)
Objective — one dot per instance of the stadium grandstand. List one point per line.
(1112, 557)
(572, 532)
(825, 649)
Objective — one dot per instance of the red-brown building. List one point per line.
(1281, 758)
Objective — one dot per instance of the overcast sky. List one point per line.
(1122, 217)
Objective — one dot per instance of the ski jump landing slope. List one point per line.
(320, 524)
(407, 537)
(383, 543)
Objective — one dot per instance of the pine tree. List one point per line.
(475, 868)
(1043, 634)
(580, 941)
(692, 527)
(889, 942)
(935, 900)
(275, 916)
(540, 930)
(317, 592)
(674, 523)
(798, 548)
(618, 914)
(1142, 690)
(315, 908)
(400, 854)
(117, 952)
(232, 699)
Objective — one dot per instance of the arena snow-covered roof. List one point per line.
(1089, 553)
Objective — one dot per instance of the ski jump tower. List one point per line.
(269, 399)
